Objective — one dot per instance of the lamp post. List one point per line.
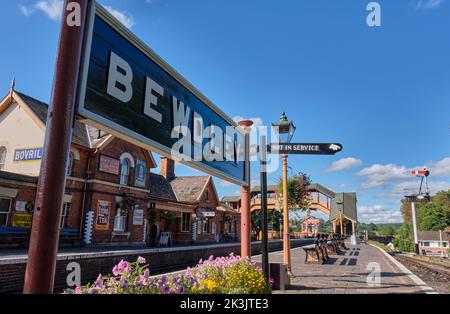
(286, 130)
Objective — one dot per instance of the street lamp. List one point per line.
(286, 130)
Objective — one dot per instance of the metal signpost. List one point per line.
(108, 78)
(286, 130)
(421, 197)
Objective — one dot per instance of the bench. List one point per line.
(362, 239)
(314, 253)
(16, 236)
(70, 235)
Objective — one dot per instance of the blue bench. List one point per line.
(13, 230)
(21, 236)
(11, 236)
(71, 235)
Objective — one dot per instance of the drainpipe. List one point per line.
(83, 203)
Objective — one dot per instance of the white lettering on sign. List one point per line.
(152, 100)
(119, 75)
(221, 145)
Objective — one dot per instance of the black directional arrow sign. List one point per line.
(306, 148)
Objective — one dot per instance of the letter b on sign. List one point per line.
(374, 17)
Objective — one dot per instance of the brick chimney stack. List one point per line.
(167, 168)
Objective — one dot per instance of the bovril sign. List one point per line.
(28, 154)
(129, 91)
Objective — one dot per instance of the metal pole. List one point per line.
(245, 196)
(286, 235)
(265, 242)
(413, 212)
(441, 243)
(41, 265)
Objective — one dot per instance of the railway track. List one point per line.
(440, 270)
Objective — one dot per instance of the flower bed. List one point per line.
(222, 275)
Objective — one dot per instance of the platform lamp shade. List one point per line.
(286, 129)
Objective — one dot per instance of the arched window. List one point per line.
(124, 171)
(69, 169)
(3, 152)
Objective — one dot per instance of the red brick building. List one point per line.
(111, 196)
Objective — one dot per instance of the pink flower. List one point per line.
(141, 260)
(121, 268)
(99, 282)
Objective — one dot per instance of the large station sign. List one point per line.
(130, 92)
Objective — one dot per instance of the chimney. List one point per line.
(167, 168)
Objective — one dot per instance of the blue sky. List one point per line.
(383, 92)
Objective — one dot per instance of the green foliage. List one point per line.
(405, 238)
(325, 226)
(298, 195)
(435, 214)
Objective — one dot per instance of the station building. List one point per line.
(111, 197)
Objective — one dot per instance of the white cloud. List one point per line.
(345, 163)
(440, 169)
(124, 18)
(429, 4)
(379, 214)
(52, 8)
(380, 175)
(26, 11)
(412, 187)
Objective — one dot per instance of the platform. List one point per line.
(348, 273)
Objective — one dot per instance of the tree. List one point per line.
(298, 194)
(433, 217)
(406, 211)
(404, 241)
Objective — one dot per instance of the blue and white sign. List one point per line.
(28, 154)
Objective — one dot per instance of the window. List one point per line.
(3, 152)
(426, 243)
(69, 169)
(125, 171)
(64, 211)
(444, 244)
(206, 226)
(186, 222)
(5, 206)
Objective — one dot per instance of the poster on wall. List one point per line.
(21, 220)
(103, 214)
(140, 176)
(24, 207)
(109, 165)
(138, 217)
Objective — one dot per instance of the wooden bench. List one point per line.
(314, 254)
(341, 243)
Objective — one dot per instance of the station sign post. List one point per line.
(108, 78)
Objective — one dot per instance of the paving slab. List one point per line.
(361, 269)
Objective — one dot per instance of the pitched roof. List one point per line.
(189, 188)
(161, 188)
(230, 199)
(270, 188)
(321, 189)
(80, 133)
(433, 236)
(344, 203)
